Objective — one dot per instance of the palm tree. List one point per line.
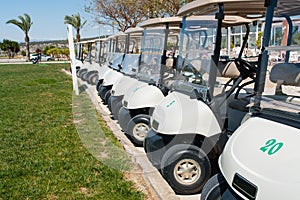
(75, 21)
(24, 24)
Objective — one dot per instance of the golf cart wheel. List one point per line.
(138, 128)
(186, 168)
(214, 188)
(93, 79)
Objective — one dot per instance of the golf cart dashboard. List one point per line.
(196, 91)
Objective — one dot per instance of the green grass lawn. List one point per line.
(41, 154)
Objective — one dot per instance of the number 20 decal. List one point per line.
(271, 147)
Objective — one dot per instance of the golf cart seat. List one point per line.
(230, 70)
(287, 74)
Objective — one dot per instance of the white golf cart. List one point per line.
(128, 66)
(159, 43)
(191, 125)
(260, 160)
(115, 51)
(88, 46)
(99, 59)
(78, 58)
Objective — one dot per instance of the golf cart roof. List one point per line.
(100, 39)
(228, 21)
(134, 30)
(231, 7)
(244, 8)
(86, 41)
(173, 21)
(116, 35)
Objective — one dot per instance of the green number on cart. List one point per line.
(271, 147)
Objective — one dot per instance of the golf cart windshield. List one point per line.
(117, 51)
(131, 60)
(194, 59)
(199, 73)
(154, 48)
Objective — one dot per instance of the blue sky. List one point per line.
(48, 19)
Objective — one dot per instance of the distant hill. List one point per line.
(34, 45)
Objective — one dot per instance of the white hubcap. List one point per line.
(140, 131)
(187, 171)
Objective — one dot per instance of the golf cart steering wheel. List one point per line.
(246, 68)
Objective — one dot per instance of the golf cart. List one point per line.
(116, 50)
(260, 159)
(92, 75)
(87, 61)
(79, 57)
(191, 124)
(128, 66)
(158, 55)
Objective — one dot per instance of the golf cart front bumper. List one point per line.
(124, 117)
(155, 146)
(102, 91)
(113, 101)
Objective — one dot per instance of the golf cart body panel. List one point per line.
(195, 116)
(270, 163)
(111, 78)
(142, 96)
(124, 84)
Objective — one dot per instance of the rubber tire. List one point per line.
(141, 118)
(93, 79)
(185, 151)
(85, 76)
(214, 187)
(80, 72)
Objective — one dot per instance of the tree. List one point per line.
(46, 49)
(296, 39)
(10, 47)
(128, 13)
(258, 41)
(75, 21)
(24, 24)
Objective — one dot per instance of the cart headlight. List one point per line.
(244, 186)
(155, 124)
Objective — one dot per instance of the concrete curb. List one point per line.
(157, 185)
